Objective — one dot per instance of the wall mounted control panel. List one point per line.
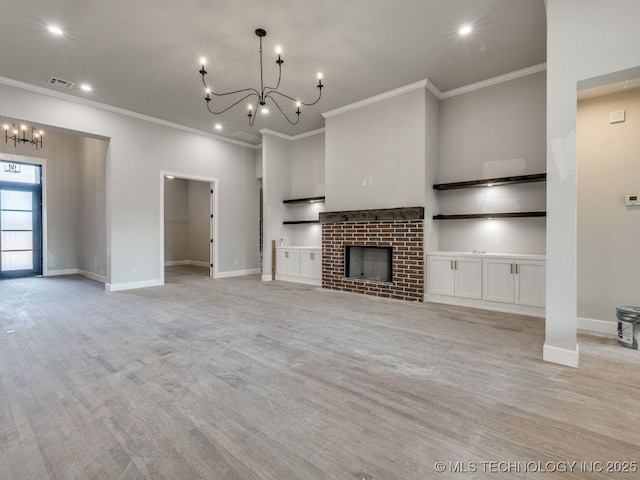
(632, 199)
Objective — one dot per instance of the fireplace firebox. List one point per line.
(369, 263)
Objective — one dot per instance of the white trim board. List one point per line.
(92, 276)
(597, 326)
(173, 263)
(56, 273)
(103, 106)
(562, 356)
(118, 287)
(287, 137)
(238, 273)
(377, 98)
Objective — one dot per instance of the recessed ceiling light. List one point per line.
(465, 30)
(218, 126)
(264, 110)
(169, 177)
(85, 87)
(55, 30)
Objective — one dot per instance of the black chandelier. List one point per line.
(261, 95)
(22, 134)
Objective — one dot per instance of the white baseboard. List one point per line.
(599, 326)
(93, 276)
(267, 278)
(298, 279)
(487, 305)
(173, 263)
(562, 356)
(66, 271)
(198, 263)
(238, 273)
(117, 287)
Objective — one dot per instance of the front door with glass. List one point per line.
(20, 219)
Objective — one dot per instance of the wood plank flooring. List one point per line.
(241, 379)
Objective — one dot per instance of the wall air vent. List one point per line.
(58, 82)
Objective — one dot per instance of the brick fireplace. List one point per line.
(399, 229)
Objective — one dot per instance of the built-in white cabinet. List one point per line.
(455, 276)
(514, 281)
(299, 264)
(501, 282)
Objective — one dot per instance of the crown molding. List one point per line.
(290, 138)
(103, 106)
(377, 98)
(433, 89)
(494, 81)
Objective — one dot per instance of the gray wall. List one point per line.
(139, 151)
(276, 186)
(608, 231)
(176, 220)
(199, 220)
(585, 39)
(493, 132)
(92, 208)
(384, 141)
(75, 178)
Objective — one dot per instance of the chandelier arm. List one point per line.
(285, 115)
(294, 99)
(233, 104)
(208, 90)
(252, 118)
(279, 78)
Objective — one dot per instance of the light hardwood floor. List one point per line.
(242, 379)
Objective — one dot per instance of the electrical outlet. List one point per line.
(235, 262)
(631, 200)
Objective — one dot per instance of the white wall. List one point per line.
(585, 39)
(139, 150)
(608, 231)
(92, 208)
(199, 221)
(276, 186)
(307, 180)
(61, 156)
(383, 141)
(492, 132)
(431, 173)
(176, 218)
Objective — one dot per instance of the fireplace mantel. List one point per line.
(403, 213)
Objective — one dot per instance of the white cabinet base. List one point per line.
(299, 265)
(487, 305)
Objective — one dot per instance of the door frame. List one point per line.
(213, 224)
(42, 162)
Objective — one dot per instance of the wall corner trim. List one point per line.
(378, 98)
(562, 356)
(266, 278)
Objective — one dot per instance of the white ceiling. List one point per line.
(142, 55)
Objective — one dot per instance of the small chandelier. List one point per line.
(22, 134)
(261, 95)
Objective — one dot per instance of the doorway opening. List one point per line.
(188, 226)
(20, 219)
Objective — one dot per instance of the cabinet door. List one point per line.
(282, 263)
(497, 280)
(293, 262)
(441, 276)
(307, 264)
(317, 261)
(530, 281)
(468, 277)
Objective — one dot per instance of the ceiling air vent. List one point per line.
(58, 82)
(632, 83)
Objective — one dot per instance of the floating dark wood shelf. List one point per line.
(536, 177)
(467, 216)
(305, 200)
(300, 222)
